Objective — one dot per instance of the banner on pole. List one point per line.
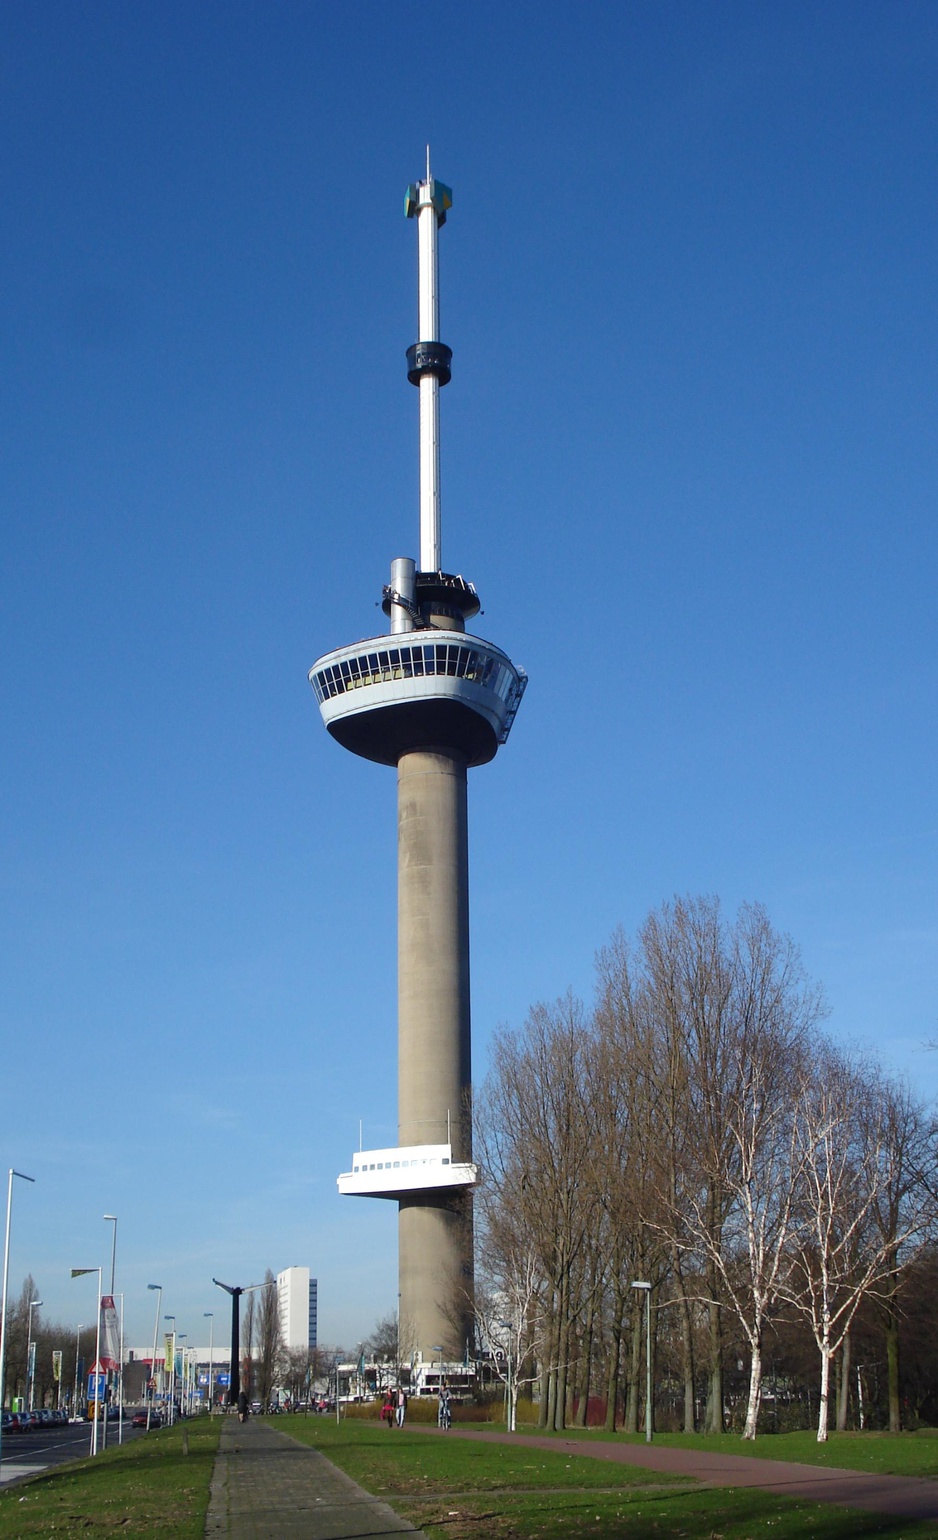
(110, 1334)
(56, 1363)
(168, 1351)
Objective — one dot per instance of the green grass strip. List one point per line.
(147, 1486)
(459, 1489)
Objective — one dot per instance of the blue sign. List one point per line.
(223, 1380)
(97, 1385)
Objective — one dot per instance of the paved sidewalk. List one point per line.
(908, 1497)
(266, 1486)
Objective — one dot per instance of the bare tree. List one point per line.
(509, 1307)
(248, 1341)
(269, 1338)
(534, 1126)
(903, 1209)
(846, 1165)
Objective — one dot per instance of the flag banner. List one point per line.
(56, 1363)
(110, 1334)
(31, 1371)
(168, 1351)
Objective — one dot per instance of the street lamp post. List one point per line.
(30, 1372)
(158, 1287)
(78, 1333)
(510, 1418)
(79, 1272)
(183, 1339)
(234, 1368)
(3, 1298)
(171, 1376)
(120, 1378)
(209, 1315)
(111, 1219)
(646, 1287)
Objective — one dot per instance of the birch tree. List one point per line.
(845, 1166)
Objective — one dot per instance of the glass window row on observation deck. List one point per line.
(389, 1165)
(414, 662)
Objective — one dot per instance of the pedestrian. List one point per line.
(242, 1406)
(387, 1410)
(444, 1415)
(401, 1405)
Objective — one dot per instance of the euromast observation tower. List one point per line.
(435, 701)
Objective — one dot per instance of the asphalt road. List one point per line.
(25, 1454)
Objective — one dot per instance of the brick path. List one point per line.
(909, 1497)
(266, 1486)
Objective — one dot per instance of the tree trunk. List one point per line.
(545, 1411)
(687, 1344)
(631, 1403)
(714, 1422)
(615, 1358)
(825, 1392)
(755, 1392)
(843, 1376)
(892, 1365)
(563, 1361)
(583, 1375)
(891, 1313)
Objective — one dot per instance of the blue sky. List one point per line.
(689, 460)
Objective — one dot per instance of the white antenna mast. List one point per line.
(429, 360)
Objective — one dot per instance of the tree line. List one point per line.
(697, 1129)
(49, 1337)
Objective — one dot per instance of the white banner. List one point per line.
(110, 1334)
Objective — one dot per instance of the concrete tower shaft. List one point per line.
(434, 1066)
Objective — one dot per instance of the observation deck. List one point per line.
(387, 695)
(407, 1168)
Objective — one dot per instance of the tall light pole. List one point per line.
(510, 1419)
(30, 1376)
(209, 1315)
(158, 1287)
(182, 1339)
(78, 1333)
(110, 1219)
(171, 1379)
(646, 1287)
(120, 1378)
(79, 1272)
(234, 1370)
(3, 1299)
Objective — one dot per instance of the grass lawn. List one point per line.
(457, 1489)
(884, 1454)
(147, 1487)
